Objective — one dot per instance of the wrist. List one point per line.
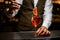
(44, 26)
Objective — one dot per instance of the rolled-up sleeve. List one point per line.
(47, 16)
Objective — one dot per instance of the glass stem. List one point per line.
(35, 28)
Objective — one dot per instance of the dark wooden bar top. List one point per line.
(27, 35)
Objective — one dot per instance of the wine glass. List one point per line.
(35, 20)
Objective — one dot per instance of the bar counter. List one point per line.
(28, 35)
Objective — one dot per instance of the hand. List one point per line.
(15, 6)
(42, 31)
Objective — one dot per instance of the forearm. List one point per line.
(47, 16)
(47, 20)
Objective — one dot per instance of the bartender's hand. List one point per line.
(15, 6)
(42, 31)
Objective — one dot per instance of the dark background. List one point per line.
(56, 15)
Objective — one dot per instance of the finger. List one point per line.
(16, 6)
(13, 3)
(47, 32)
(43, 32)
(36, 33)
(40, 31)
